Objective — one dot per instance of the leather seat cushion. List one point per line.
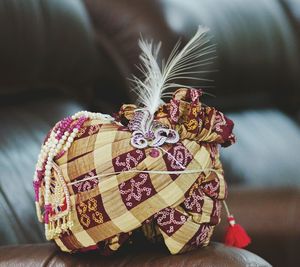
(267, 150)
(23, 128)
(216, 255)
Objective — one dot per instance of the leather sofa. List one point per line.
(59, 56)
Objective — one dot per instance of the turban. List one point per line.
(104, 182)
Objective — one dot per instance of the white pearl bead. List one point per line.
(48, 167)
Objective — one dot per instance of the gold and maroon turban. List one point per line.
(108, 179)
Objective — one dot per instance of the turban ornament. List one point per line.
(153, 167)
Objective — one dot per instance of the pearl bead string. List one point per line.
(59, 141)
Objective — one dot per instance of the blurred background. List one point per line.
(61, 56)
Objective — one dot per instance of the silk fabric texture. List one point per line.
(180, 205)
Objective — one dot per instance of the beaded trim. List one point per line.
(48, 178)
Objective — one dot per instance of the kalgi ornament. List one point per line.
(154, 167)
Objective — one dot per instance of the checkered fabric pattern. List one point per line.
(184, 207)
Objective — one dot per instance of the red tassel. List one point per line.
(236, 235)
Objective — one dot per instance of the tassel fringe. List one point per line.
(54, 228)
(235, 236)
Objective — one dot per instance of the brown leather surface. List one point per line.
(215, 255)
(258, 52)
(117, 27)
(254, 160)
(21, 135)
(45, 43)
(271, 217)
(90, 48)
(292, 9)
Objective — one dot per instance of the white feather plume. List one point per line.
(159, 78)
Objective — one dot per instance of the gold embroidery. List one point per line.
(97, 217)
(195, 111)
(89, 211)
(191, 125)
(85, 220)
(82, 208)
(92, 204)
